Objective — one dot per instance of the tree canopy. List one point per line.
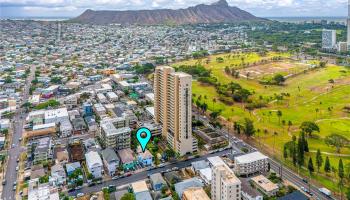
(337, 141)
(309, 127)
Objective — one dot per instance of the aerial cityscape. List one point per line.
(175, 100)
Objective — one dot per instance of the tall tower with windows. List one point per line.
(173, 108)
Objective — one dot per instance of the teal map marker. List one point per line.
(143, 135)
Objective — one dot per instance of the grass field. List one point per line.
(311, 96)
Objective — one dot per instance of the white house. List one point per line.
(4, 124)
(58, 175)
(94, 164)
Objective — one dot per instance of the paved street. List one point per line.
(286, 173)
(275, 166)
(15, 151)
(143, 175)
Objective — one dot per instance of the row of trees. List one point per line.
(295, 149)
(195, 70)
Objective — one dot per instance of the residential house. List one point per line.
(94, 164)
(71, 167)
(110, 160)
(79, 126)
(157, 181)
(2, 142)
(127, 159)
(144, 158)
(58, 175)
(37, 191)
(188, 183)
(265, 185)
(195, 193)
(62, 156)
(4, 124)
(141, 191)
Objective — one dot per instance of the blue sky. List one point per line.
(262, 8)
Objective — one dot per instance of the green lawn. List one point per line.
(311, 95)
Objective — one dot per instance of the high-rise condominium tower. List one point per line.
(225, 185)
(329, 39)
(173, 108)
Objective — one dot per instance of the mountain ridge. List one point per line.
(216, 12)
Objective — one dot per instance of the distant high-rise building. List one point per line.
(173, 108)
(342, 47)
(58, 32)
(329, 39)
(225, 185)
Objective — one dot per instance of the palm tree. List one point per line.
(279, 115)
(289, 124)
(274, 140)
(214, 101)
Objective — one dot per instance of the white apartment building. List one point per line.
(113, 137)
(342, 46)
(225, 185)
(329, 39)
(251, 163)
(173, 108)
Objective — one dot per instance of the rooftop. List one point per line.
(126, 155)
(139, 186)
(296, 195)
(93, 159)
(109, 155)
(250, 157)
(195, 193)
(264, 183)
(215, 161)
(184, 185)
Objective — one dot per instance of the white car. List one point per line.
(80, 194)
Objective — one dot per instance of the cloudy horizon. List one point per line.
(260, 8)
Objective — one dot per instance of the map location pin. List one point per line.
(143, 135)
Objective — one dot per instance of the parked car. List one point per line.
(80, 194)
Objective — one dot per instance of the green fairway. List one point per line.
(312, 97)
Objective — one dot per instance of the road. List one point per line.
(143, 175)
(275, 166)
(295, 179)
(18, 121)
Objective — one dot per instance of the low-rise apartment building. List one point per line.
(251, 163)
(112, 137)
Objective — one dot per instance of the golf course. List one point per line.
(283, 92)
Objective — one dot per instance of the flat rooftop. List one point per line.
(250, 157)
(264, 183)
